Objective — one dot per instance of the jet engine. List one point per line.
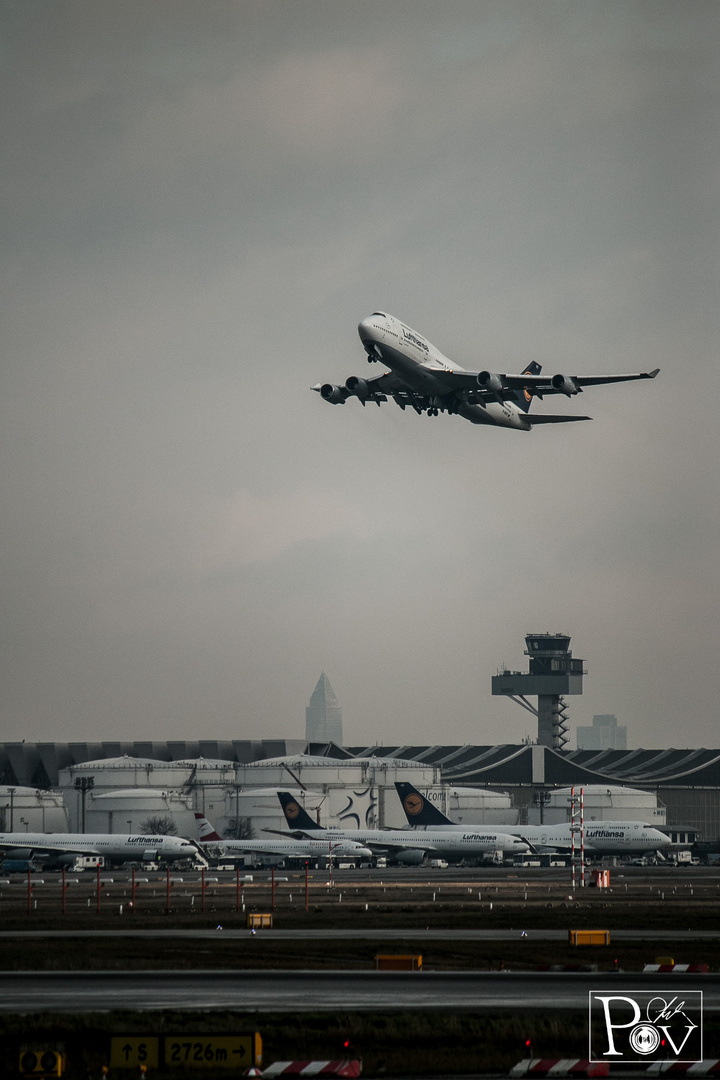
(358, 387)
(490, 381)
(67, 859)
(23, 854)
(410, 857)
(332, 393)
(565, 385)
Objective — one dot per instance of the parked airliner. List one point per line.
(64, 848)
(406, 845)
(600, 837)
(421, 377)
(288, 848)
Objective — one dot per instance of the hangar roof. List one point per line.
(511, 764)
(38, 764)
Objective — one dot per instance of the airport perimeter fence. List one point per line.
(123, 893)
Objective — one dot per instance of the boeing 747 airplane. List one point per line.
(601, 837)
(421, 377)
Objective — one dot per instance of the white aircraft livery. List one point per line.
(600, 837)
(289, 848)
(422, 378)
(115, 847)
(407, 846)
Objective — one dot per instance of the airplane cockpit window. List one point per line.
(380, 314)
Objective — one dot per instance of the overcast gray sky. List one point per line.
(199, 202)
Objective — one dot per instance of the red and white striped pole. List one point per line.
(582, 838)
(572, 835)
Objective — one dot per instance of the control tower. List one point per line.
(553, 673)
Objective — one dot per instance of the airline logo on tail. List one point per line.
(205, 829)
(295, 815)
(418, 809)
(413, 803)
(527, 393)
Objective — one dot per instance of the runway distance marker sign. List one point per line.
(199, 1051)
(212, 1051)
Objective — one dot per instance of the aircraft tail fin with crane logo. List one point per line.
(525, 393)
(295, 815)
(418, 809)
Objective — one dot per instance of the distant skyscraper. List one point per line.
(603, 735)
(323, 716)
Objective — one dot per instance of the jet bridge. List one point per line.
(553, 672)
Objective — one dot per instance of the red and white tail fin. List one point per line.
(205, 829)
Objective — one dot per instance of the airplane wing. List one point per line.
(474, 387)
(373, 389)
(378, 388)
(568, 384)
(491, 386)
(49, 849)
(295, 834)
(549, 418)
(416, 843)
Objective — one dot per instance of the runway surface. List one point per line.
(309, 991)
(406, 934)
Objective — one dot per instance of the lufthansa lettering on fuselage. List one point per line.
(414, 340)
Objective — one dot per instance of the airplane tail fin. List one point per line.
(295, 815)
(418, 810)
(205, 829)
(525, 393)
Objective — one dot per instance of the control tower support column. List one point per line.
(553, 672)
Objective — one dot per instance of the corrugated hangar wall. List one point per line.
(696, 808)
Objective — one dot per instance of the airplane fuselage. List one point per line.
(113, 846)
(424, 368)
(333, 846)
(600, 837)
(450, 844)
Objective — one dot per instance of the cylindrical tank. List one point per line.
(601, 802)
(140, 811)
(27, 809)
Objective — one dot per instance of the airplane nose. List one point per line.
(366, 330)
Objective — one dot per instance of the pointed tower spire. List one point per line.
(323, 716)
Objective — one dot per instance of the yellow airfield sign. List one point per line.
(129, 1051)
(197, 1051)
(211, 1051)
